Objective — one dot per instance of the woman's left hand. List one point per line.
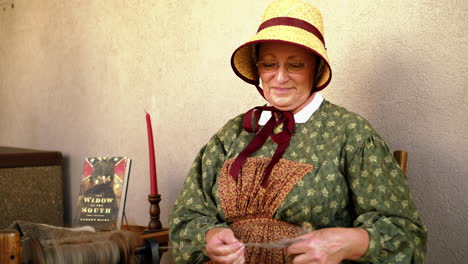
(330, 245)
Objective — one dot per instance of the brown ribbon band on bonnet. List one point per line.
(282, 138)
(292, 22)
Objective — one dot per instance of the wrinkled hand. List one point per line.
(330, 246)
(222, 246)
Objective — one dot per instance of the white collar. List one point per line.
(301, 116)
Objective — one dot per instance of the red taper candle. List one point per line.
(152, 159)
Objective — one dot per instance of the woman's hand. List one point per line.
(222, 246)
(330, 246)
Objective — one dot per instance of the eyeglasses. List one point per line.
(270, 66)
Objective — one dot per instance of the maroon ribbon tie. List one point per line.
(282, 138)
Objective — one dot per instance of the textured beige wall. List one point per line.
(76, 76)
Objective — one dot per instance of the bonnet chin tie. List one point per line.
(282, 138)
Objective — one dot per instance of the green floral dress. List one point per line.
(351, 180)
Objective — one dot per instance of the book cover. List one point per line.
(103, 188)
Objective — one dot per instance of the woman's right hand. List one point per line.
(222, 246)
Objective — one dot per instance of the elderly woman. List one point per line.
(299, 161)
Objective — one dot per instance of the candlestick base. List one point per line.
(154, 224)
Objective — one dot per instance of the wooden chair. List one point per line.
(402, 159)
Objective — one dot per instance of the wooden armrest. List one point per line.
(402, 159)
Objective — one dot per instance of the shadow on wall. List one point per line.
(413, 109)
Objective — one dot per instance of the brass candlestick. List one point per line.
(154, 224)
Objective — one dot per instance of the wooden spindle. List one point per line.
(10, 247)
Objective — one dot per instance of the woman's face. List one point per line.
(288, 87)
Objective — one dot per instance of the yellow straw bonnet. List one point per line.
(288, 21)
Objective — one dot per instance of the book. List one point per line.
(103, 189)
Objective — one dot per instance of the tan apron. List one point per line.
(249, 208)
